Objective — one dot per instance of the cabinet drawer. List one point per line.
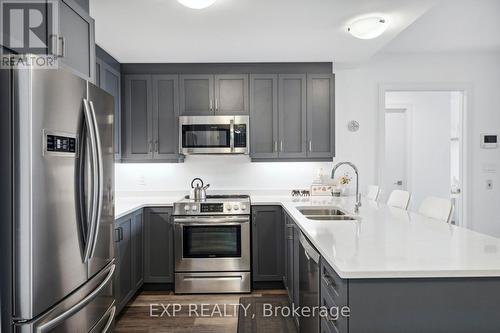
(333, 322)
(333, 284)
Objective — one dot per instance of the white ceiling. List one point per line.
(245, 30)
(453, 25)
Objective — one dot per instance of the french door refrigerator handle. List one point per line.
(94, 167)
(110, 320)
(100, 180)
(48, 326)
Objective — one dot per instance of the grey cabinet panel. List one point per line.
(196, 94)
(289, 257)
(165, 115)
(292, 115)
(123, 278)
(138, 117)
(110, 81)
(76, 44)
(267, 243)
(138, 249)
(231, 94)
(264, 115)
(320, 115)
(159, 246)
(98, 64)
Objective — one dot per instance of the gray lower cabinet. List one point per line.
(108, 78)
(320, 115)
(75, 42)
(129, 259)
(151, 112)
(159, 245)
(291, 260)
(264, 115)
(208, 94)
(267, 243)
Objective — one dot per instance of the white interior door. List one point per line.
(396, 151)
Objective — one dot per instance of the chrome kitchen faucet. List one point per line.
(358, 196)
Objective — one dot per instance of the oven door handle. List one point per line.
(211, 220)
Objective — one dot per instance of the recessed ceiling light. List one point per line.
(368, 27)
(197, 4)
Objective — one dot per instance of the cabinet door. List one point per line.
(289, 257)
(197, 95)
(111, 82)
(231, 94)
(138, 118)
(292, 115)
(320, 115)
(264, 115)
(159, 246)
(76, 46)
(165, 115)
(267, 244)
(124, 278)
(138, 250)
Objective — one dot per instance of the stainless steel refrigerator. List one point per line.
(57, 206)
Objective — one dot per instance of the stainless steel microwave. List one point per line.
(214, 135)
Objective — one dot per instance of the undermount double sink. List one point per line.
(325, 214)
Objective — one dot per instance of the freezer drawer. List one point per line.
(81, 311)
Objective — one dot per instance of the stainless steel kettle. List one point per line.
(198, 192)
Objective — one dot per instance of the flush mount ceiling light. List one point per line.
(197, 4)
(368, 27)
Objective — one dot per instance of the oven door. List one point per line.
(212, 244)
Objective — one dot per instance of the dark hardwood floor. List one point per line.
(195, 314)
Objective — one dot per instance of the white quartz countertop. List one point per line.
(384, 242)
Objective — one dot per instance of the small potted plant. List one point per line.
(342, 183)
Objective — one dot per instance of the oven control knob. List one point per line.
(236, 207)
(186, 208)
(228, 207)
(243, 207)
(194, 207)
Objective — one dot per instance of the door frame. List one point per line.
(408, 110)
(465, 144)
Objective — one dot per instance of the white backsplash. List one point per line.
(221, 172)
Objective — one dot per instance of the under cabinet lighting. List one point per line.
(368, 27)
(197, 4)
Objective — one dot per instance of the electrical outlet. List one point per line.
(489, 184)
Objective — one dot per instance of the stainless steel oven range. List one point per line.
(212, 244)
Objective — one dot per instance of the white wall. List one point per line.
(221, 172)
(429, 148)
(357, 97)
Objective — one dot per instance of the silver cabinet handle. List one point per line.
(78, 306)
(150, 146)
(216, 105)
(100, 179)
(62, 50)
(156, 146)
(210, 104)
(281, 146)
(310, 145)
(275, 146)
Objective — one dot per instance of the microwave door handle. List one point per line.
(94, 183)
(231, 135)
(100, 180)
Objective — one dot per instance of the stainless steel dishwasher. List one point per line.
(308, 284)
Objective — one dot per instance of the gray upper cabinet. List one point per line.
(109, 79)
(165, 115)
(267, 244)
(231, 94)
(207, 94)
(320, 115)
(138, 138)
(75, 44)
(264, 115)
(151, 118)
(159, 246)
(292, 115)
(197, 95)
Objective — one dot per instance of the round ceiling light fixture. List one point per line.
(197, 4)
(368, 27)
